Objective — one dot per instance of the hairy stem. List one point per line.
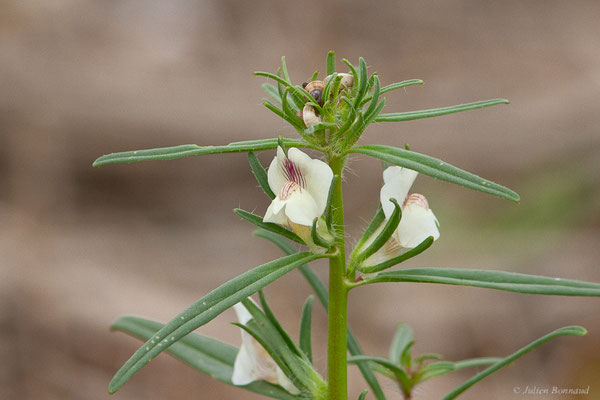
(338, 295)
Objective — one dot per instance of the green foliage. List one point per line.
(490, 279)
(342, 113)
(207, 308)
(568, 330)
(205, 354)
(435, 168)
(436, 112)
(186, 150)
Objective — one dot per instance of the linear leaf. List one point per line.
(568, 330)
(305, 340)
(398, 372)
(424, 245)
(403, 340)
(207, 308)
(258, 221)
(436, 112)
(383, 236)
(363, 394)
(271, 91)
(260, 174)
(330, 63)
(500, 280)
(205, 354)
(435, 168)
(186, 150)
(322, 294)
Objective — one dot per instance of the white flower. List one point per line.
(253, 363)
(301, 185)
(418, 221)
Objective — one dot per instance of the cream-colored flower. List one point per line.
(301, 185)
(253, 363)
(418, 221)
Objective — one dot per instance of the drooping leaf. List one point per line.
(186, 150)
(435, 168)
(207, 308)
(305, 340)
(568, 330)
(205, 354)
(436, 112)
(491, 279)
(322, 294)
(260, 174)
(266, 310)
(295, 367)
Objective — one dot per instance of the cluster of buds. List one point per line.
(315, 88)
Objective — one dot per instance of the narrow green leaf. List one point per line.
(322, 294)
(328, 209)
(424, 245)
(330, 62)
(354, 75)
(399, 85)
(284, 70)
(436, 112)
(327, 90)
(296, 368)
(205, 354)
(350, 119)
(276, 78)
(500, 280)
(260, 174)
(186, 150)
(305, 340)
(436, 369)
(363, 394)
(315, 75)
(258, 221)
(290, 113)
(388, 229)
(275, 323)
(272, 91)
(398, 372)
(373, 114)
(435, 168)
(568, 330)
(362, 82)
(476, 362)
(374, 98)
(401, 342)
(376, 221)
(319, 126)
(207, 308)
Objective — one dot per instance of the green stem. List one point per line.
(338, 294)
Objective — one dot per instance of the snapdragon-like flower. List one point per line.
(418, 221)
(301, 185)
(253, 363)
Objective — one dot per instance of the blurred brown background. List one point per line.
(82, 246)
